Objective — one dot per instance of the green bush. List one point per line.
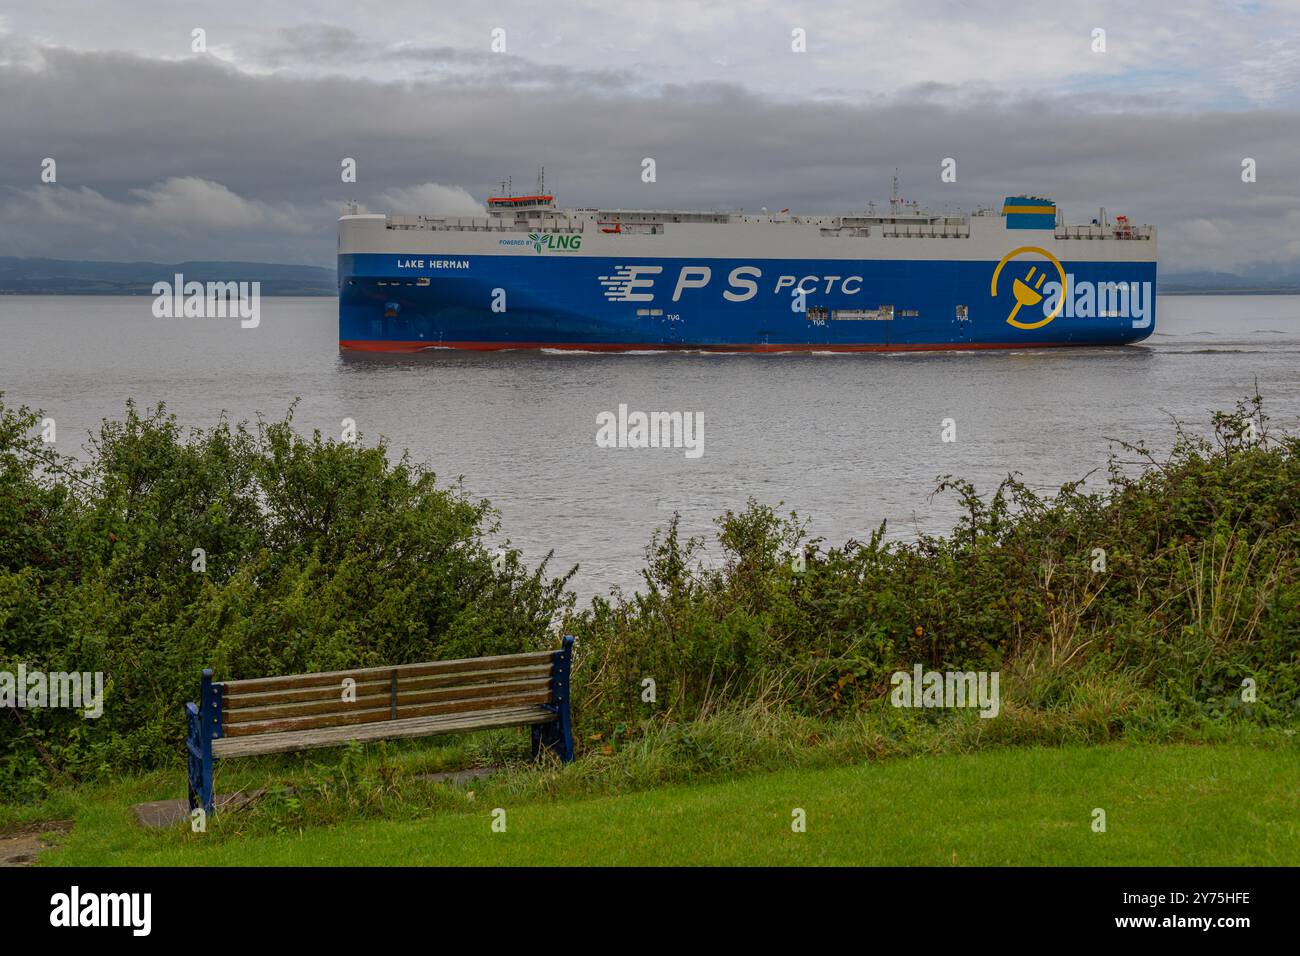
(1201, 590)
(319, 555)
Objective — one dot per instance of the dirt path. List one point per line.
(21, 846)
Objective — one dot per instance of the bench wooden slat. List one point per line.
(302, 711)
(335, 705)
(334, 678)
(236, 700)
(384, 714)
(387, 730)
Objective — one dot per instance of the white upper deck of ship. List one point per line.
(898, 219)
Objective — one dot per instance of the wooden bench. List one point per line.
(269, 715)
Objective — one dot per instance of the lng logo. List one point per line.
(1028, 291)
(1073, 298)
(554, 242)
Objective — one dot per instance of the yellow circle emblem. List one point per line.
(1027, 291)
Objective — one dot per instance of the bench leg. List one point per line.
(553, 737)
(557, 736)
(199, 753)
(203, 724)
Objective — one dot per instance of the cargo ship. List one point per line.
(529, 274)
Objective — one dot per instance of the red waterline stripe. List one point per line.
(356, 345)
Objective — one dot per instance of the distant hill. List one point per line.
(1255, 281)
(88, 277)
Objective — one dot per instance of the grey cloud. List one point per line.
(135, 136)
(324, 49)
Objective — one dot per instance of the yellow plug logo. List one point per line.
(1027, 291)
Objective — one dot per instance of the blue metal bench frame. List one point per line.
(557, 736)
(203, 722)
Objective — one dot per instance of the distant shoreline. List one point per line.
(1229, 292)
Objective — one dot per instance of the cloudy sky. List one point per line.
(234, 153)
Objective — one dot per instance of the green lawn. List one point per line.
(1165, 805)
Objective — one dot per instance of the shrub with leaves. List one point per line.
(253, 550)
(1180, 576)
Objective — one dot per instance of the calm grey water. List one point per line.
(848, 440)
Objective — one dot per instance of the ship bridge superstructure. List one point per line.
(539, 213)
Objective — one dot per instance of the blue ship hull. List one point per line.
(399, 303)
